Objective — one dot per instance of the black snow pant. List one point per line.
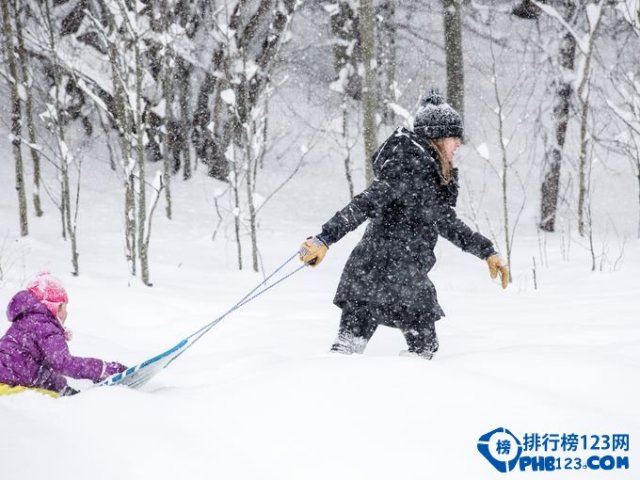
(359, 322)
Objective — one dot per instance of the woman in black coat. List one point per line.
(410, 202)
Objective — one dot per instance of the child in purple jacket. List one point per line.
(34, 353)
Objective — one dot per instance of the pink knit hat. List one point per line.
(49, 290)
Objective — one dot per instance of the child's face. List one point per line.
(62, 312)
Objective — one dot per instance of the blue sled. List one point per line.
(140, 374)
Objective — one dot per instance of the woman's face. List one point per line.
(450, 146)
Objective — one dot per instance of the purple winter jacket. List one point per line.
(34, 351)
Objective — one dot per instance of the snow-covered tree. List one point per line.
(248, 44)
(369, 92)
(55, 119)
(563, 90)
(16, 114)
(453, 53)
(21, 10)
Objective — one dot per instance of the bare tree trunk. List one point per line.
(369, 96)
(252, 208)
(130, 221)
(347, 52)
(505, 164)
(235, 183)
(154, 203)
(583, 98)
(638, 178)
(210, 147)
(453, 50)
(66, 195)
(248, 131)
(130, 218)
(106, 128)
(122, 116)
(345, 24)
(72, 225)
(347, 158)
(16, 119)
(591, 246)
(63, 151)
(26, 83)
(387, 58)
(582, 166)
(185, 120)
(167, 91)
(264, 134)
(143, 247)
(551, 182)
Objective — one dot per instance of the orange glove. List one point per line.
(312, 251)
(496, 266)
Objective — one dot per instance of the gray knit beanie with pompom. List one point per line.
(436, 119)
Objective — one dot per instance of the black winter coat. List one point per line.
(408, 207)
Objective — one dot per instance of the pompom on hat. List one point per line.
(435, 118)
(49, 291)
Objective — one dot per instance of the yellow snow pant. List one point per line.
(9, 390)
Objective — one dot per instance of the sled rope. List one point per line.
(252, 295)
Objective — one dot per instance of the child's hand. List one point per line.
(113, 368)
(110, 368)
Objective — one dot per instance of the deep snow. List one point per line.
(260, 397)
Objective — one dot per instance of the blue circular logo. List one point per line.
(502, 448)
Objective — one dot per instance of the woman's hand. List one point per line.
(312, 251)
(497, 267)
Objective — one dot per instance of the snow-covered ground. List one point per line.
(260, 398)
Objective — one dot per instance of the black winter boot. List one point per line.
(356, 329)
(422, 342)
(347, 343)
